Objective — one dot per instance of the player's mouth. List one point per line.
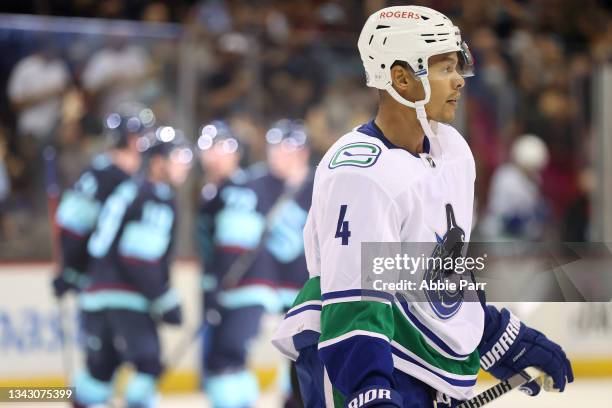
(453, 101)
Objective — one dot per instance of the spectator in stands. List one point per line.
(113, 75)
(516, 209)
(35, 89)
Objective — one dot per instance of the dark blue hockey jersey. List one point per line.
(130, 250)
(279, 269)
(78, 213)
(220, 227)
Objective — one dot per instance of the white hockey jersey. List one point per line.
(368, 190)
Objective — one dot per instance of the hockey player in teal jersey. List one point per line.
(129, 292)
(219, 226)
(80, 205)
(406, 176)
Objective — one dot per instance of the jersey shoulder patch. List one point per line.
(355, 154)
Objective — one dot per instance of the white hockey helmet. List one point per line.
(411, 34)
(530, 152)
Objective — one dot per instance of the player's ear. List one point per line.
(400, 77)
(403, 79)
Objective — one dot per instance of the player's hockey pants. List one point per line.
(312, 378)
(228, 383)
(112, 337)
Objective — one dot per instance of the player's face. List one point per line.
(219, 163)
(445, 84)
(178, 165)
(285, 160)
(132, 159)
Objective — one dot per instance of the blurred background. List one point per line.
(536, 115)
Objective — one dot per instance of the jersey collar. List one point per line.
(371, 129)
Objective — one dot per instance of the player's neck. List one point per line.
(295, 178)
(156, 172)
(400, 126)
(126, 161)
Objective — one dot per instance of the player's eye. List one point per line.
(450, 68)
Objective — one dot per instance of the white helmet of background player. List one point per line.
(411, 34)
(529, 152)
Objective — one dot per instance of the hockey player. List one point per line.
(288, 155)
(261, 223)
(80, 206)
(217, 229)
(129, 291)
(406, 176)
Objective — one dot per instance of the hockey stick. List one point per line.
(517, 380)
(52, 191)
(178, 352)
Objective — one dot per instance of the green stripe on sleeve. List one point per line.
(310, 291)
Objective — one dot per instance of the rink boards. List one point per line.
(31, 330)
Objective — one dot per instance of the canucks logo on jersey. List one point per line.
(360, 154)
(445, 303)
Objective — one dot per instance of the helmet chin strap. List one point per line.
(419, 106)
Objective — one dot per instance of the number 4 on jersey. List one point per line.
(342, 230)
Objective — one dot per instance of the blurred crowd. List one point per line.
(253, 62)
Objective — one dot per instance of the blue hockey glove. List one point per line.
(61, 287)
(376, 396)
(509, 346)
(167, 308)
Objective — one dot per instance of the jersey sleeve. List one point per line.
(76, 218)
(356, 321)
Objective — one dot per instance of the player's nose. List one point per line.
(459, 81)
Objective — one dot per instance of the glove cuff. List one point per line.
(375, 396)
(75, 278)
(508, 332)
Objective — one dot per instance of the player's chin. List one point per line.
(448, 112)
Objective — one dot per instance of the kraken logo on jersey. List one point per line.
(445, 303)
(286, 241)
(238, 224)
(361, 154)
